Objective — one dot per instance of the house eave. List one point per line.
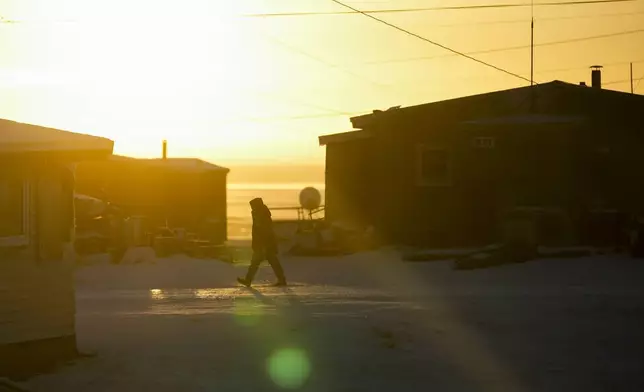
(526, 120)
(344, 137)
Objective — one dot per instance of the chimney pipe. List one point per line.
(165, 150)
(596, 76)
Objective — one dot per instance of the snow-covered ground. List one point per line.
(366, 322)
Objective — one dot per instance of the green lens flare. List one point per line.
(289, 368)
(247, 312)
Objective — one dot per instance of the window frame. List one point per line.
(420, 178)
(484, 142)
(23, 238)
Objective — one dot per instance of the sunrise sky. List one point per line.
(227, 86)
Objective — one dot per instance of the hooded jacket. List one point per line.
(263, 236)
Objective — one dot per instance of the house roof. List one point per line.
(546, 103)
(547, 97)
(527, 119)
(343, 137)
(180, 164)
(16, 137)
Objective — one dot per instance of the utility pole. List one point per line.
(632, 92)
(532, 52)
(532, 56)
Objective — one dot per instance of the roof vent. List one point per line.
(596, 76)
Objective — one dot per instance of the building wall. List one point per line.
(527, 166)
(201, 203)
(195, 200)
(411, 211)
(547, 164)
(351, 183)
(37, 300)
(214, 205)
(610, 166)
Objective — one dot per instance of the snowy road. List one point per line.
(360, 323)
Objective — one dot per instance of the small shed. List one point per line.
(181, 192)
(37, 303)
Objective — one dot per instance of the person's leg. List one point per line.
(255, 261)
(277, 268)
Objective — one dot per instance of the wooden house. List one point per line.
(37, 302)
(444, 173)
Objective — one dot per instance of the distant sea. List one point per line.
(274, 195)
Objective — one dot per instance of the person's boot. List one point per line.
(244, 282)
(280, 283)
(279, 272)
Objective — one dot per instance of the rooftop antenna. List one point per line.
(632, 92)
(532, 42)
(531, 55)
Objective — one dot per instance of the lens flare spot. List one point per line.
(289, 368)
(247, 312)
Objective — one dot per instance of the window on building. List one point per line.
(434, 166)
(483, 142)
(13, 212)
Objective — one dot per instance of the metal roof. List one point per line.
(21, 137)
(182, 164)
(344, 137)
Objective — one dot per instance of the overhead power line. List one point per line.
(301, 102)
(638, 83)
(586, 67)
(406, 10)
(297, 50)
(303, 117)
(509, 48)
(638, 80)
(426, 9)
(546, 19)
(456, 52)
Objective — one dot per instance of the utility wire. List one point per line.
(425, 9)
(300, 102)
(622, 81)
(586, 67)
(638, 83)
(320, 60)
(407, 10)
(456, 52)
(555, 18)
(303, 117)
(509, 48)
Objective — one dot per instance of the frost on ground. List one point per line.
(366, 322)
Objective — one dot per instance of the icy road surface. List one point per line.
(366, 322)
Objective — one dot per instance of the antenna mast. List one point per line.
(532, 42)
(532, 56)
(632, 79)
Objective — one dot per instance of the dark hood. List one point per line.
(258, 207)
(256, 204)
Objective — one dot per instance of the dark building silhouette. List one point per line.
(37, 302)
(443, 173)
(187, 192)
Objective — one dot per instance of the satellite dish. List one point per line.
(310, 198)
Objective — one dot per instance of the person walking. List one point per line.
(264, 244)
